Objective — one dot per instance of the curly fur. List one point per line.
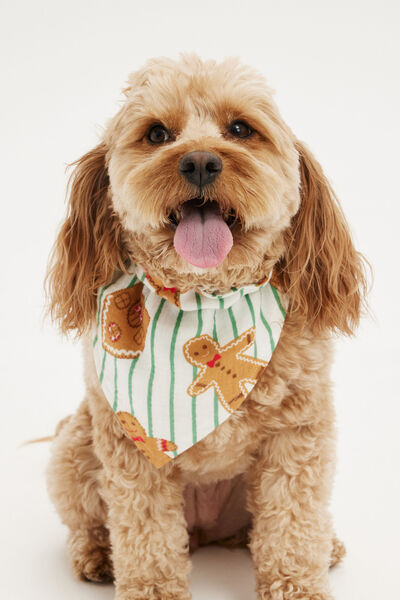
(265, 475)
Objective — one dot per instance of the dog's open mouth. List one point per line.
(203, 234)
(174, 217)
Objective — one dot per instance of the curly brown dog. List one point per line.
(210, 132)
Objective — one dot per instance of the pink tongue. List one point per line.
(202, 237)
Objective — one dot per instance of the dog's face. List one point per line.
(204, 173)
(200, 181)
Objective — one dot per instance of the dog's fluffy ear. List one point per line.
(89, 246)
(321, 269)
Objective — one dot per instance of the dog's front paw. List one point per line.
(157, 596)
(286, 590)
(140, 591)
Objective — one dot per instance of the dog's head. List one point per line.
(201, 163)
(200, 181)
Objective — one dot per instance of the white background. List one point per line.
(335, 68)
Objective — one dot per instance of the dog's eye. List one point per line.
(240, 129)
(157, 134)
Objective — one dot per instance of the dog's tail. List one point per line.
(49, 438)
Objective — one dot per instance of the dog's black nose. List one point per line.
(200, 167)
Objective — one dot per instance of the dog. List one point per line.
(198, 189)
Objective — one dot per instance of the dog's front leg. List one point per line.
(291, 541)
(147, 527)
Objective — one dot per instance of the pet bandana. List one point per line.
(175, 366)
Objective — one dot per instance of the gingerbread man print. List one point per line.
(225, 368)
(169, 293)
(153, 448)
(125, 321)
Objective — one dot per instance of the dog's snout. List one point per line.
(200, 167)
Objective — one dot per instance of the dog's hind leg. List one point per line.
(72, 479)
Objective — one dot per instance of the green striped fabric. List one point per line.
(194, 398)
(152, 369)
(153, 386)
(253, 319)
(215, 336)
(172, 379)
(130, 377)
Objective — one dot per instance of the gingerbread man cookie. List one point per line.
(153, 448)
(125, 321)
(169, 293)
(225, 368)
